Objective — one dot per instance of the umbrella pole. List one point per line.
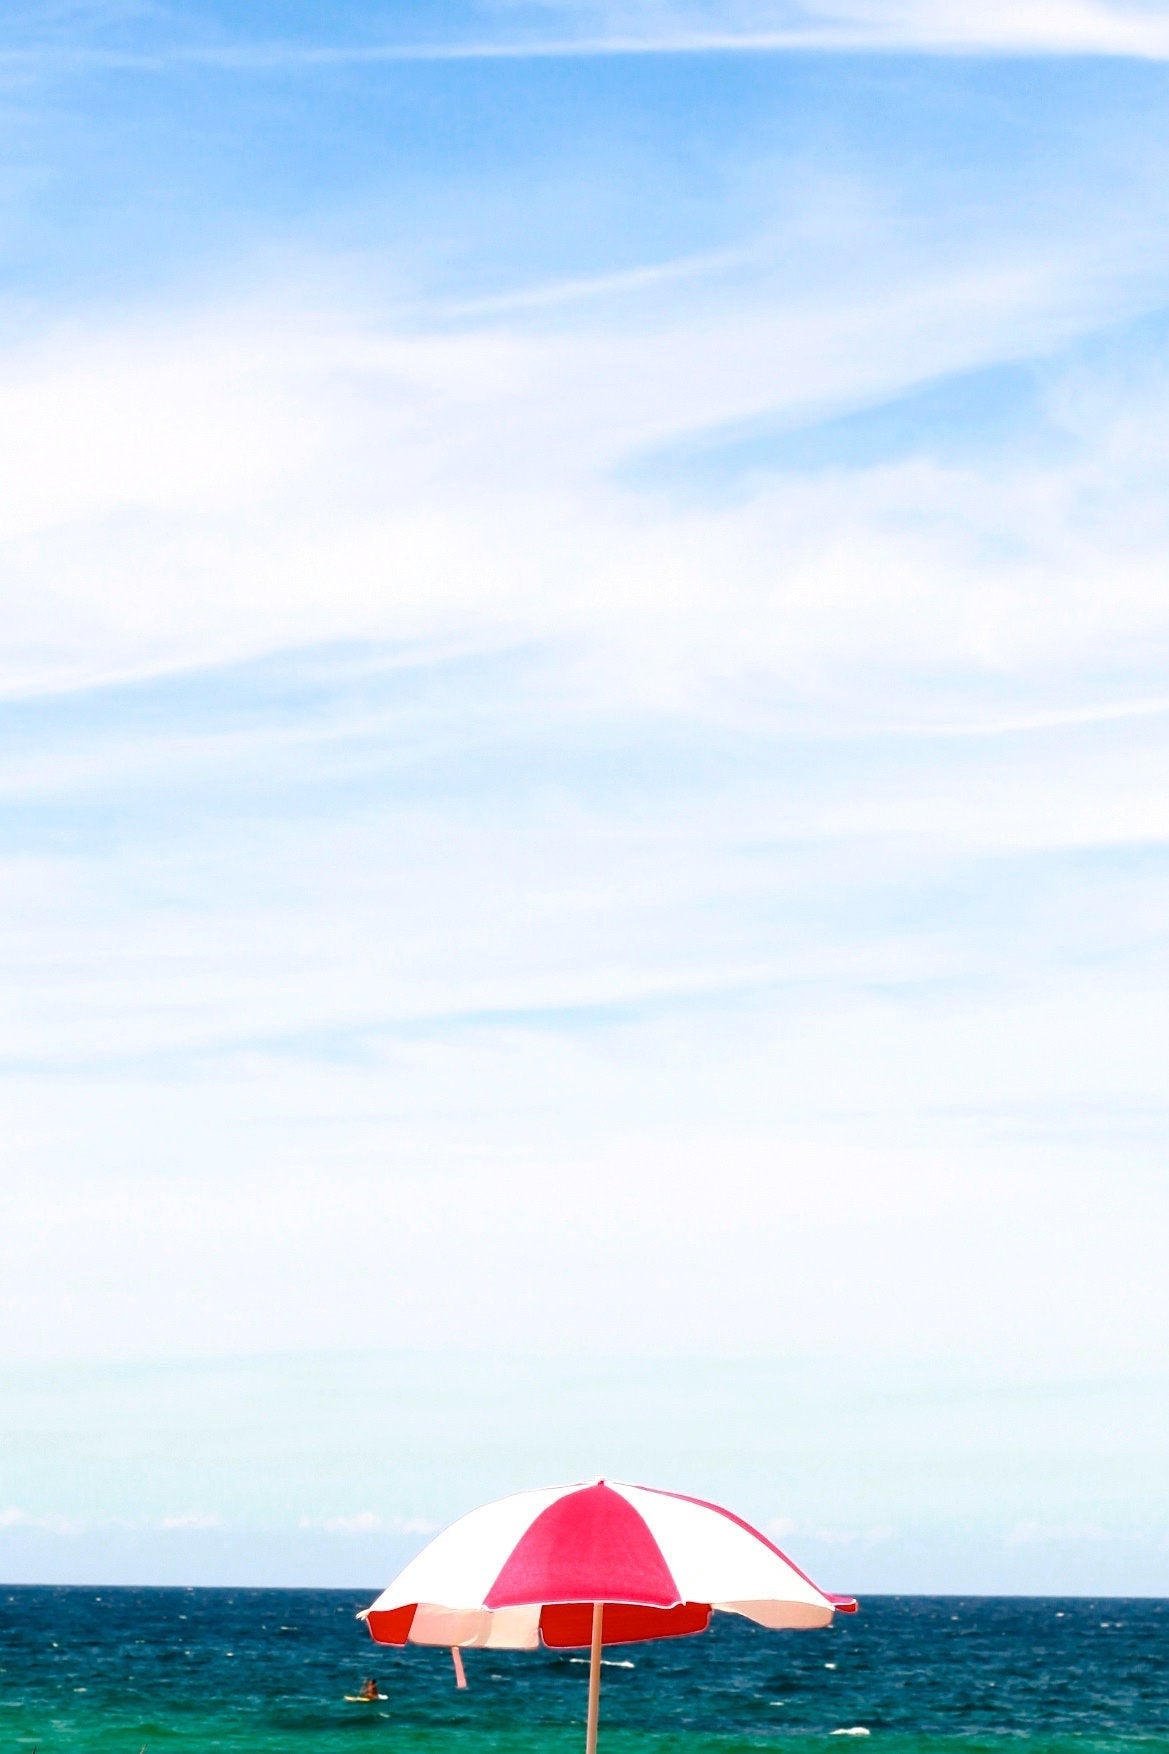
(594, 1681)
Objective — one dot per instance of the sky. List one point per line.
(584, 780)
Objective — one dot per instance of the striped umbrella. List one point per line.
(592, 1565)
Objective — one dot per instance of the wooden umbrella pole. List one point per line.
(594, 1681)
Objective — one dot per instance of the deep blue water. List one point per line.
(268, 1669)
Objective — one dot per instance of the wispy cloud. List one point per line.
(1027, 1534)
(13, 1517)
(1054, 26)
(649, 278)
(583, 31)
(784, 1529)
(440, 480)
(369, 1522)
(53, 1523)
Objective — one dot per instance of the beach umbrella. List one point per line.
(591, 1565)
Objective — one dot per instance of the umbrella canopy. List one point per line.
(602, 1563)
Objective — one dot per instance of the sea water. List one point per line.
(117, 1670)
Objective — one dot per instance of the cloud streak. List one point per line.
(440, 480)
(1044, 27)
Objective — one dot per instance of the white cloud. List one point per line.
(341, 1027)
(878, 1534)
(12, 1517)
(597, 28)
(54, 1523)
(236, 481)
(1026, 1534)
(369, 1522)
(1019, 26)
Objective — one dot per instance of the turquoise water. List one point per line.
(267, 1670)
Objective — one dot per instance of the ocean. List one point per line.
(119, 1670)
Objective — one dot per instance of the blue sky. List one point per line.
(584, 737)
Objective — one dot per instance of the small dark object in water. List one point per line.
(367, 1693)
